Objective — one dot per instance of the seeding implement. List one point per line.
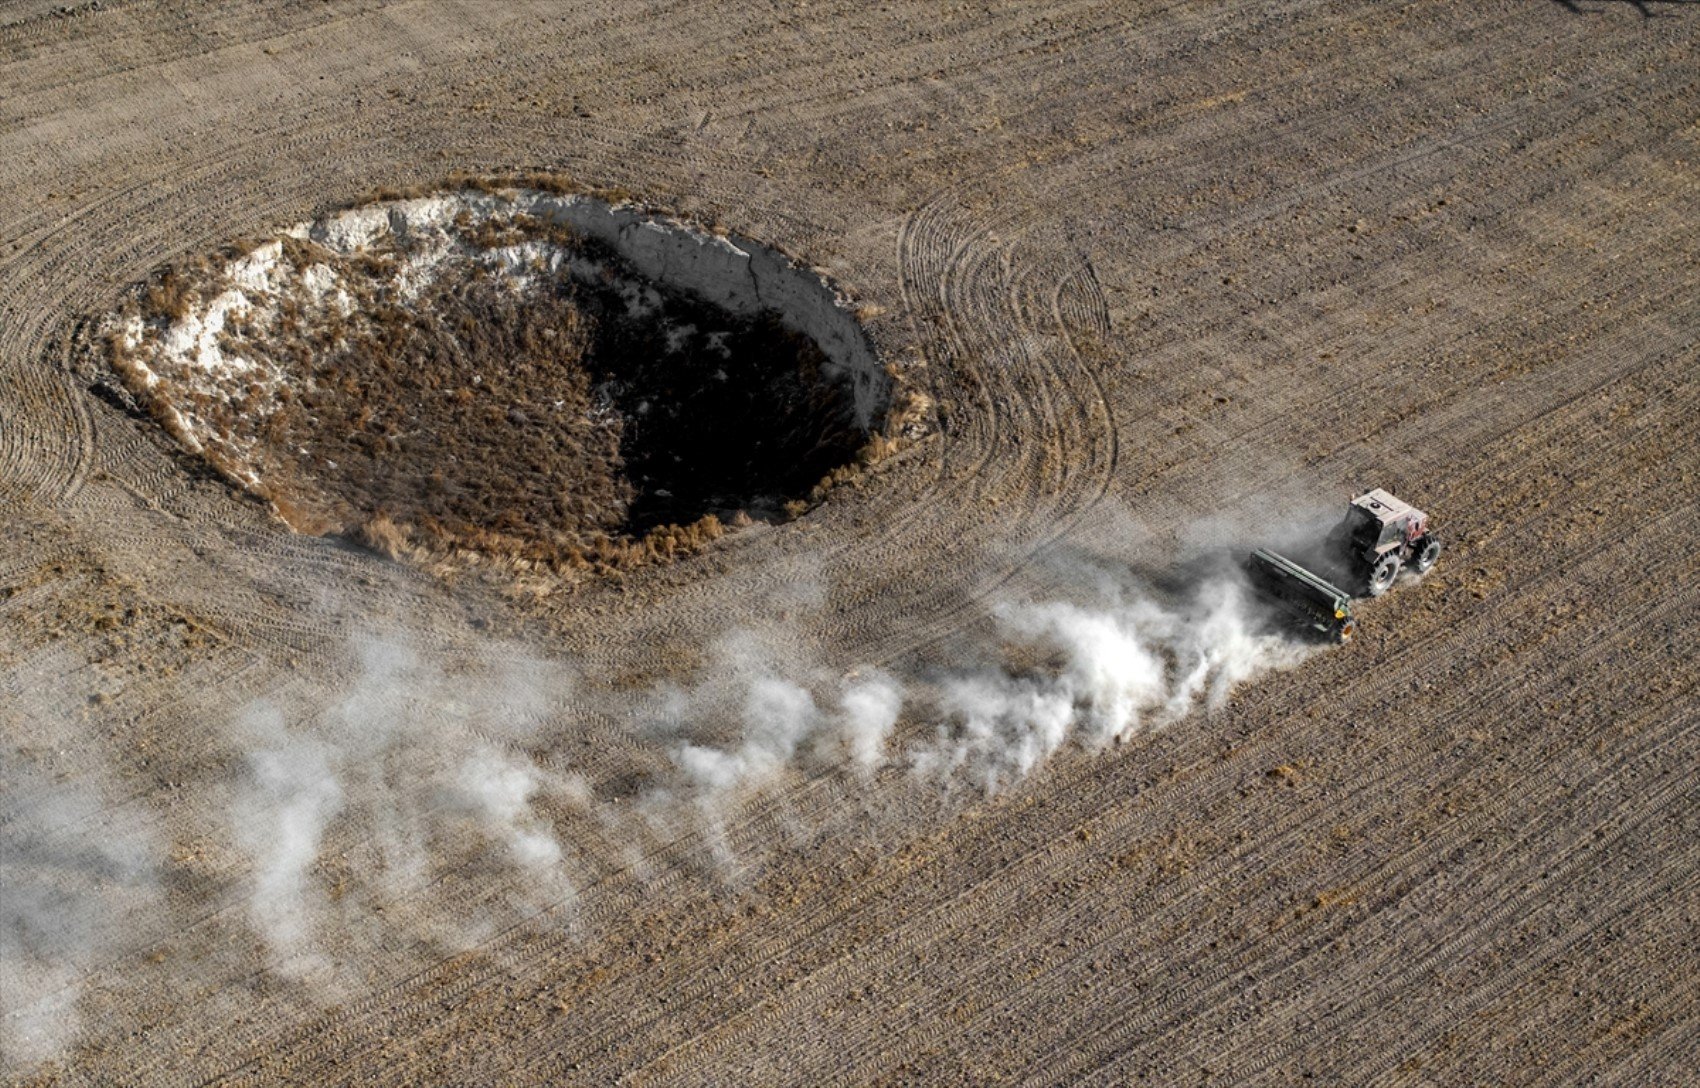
(1379, 536)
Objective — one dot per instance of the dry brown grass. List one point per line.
(171, 295)
(384, 536)
(472, 425)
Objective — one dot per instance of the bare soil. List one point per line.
(1163, 268)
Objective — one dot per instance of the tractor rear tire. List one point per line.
(1425, 553)
(1383, 574)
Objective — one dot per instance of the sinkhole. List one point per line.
(510, 370)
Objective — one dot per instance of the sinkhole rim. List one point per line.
(177, 346)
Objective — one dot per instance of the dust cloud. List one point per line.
(78, 864)
(423, 760)
(419, 750)
(1121, 665)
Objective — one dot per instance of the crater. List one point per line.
(515, 371)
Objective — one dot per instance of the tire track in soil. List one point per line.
(1506, 893)
(1520, 591)
(999, 278)
(943, 917)
(951, 264)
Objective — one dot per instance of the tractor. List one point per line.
(1379, 536)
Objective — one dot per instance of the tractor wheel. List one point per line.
(1382, 575)
(1427, 551)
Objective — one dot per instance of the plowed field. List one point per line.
(1164, 272)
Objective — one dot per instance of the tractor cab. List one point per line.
(1376, 523)
(1377, 537)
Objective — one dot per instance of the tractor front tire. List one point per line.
(1425, 553)
(1383, 574)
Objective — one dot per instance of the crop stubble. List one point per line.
(1149, 261)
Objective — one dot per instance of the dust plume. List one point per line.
(279, 819)
(410, 798)
(421, 757)
(868, 709)
(759, 709)
(1124, 662)
(781, 723)
(1109, 656)
(74, 867)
